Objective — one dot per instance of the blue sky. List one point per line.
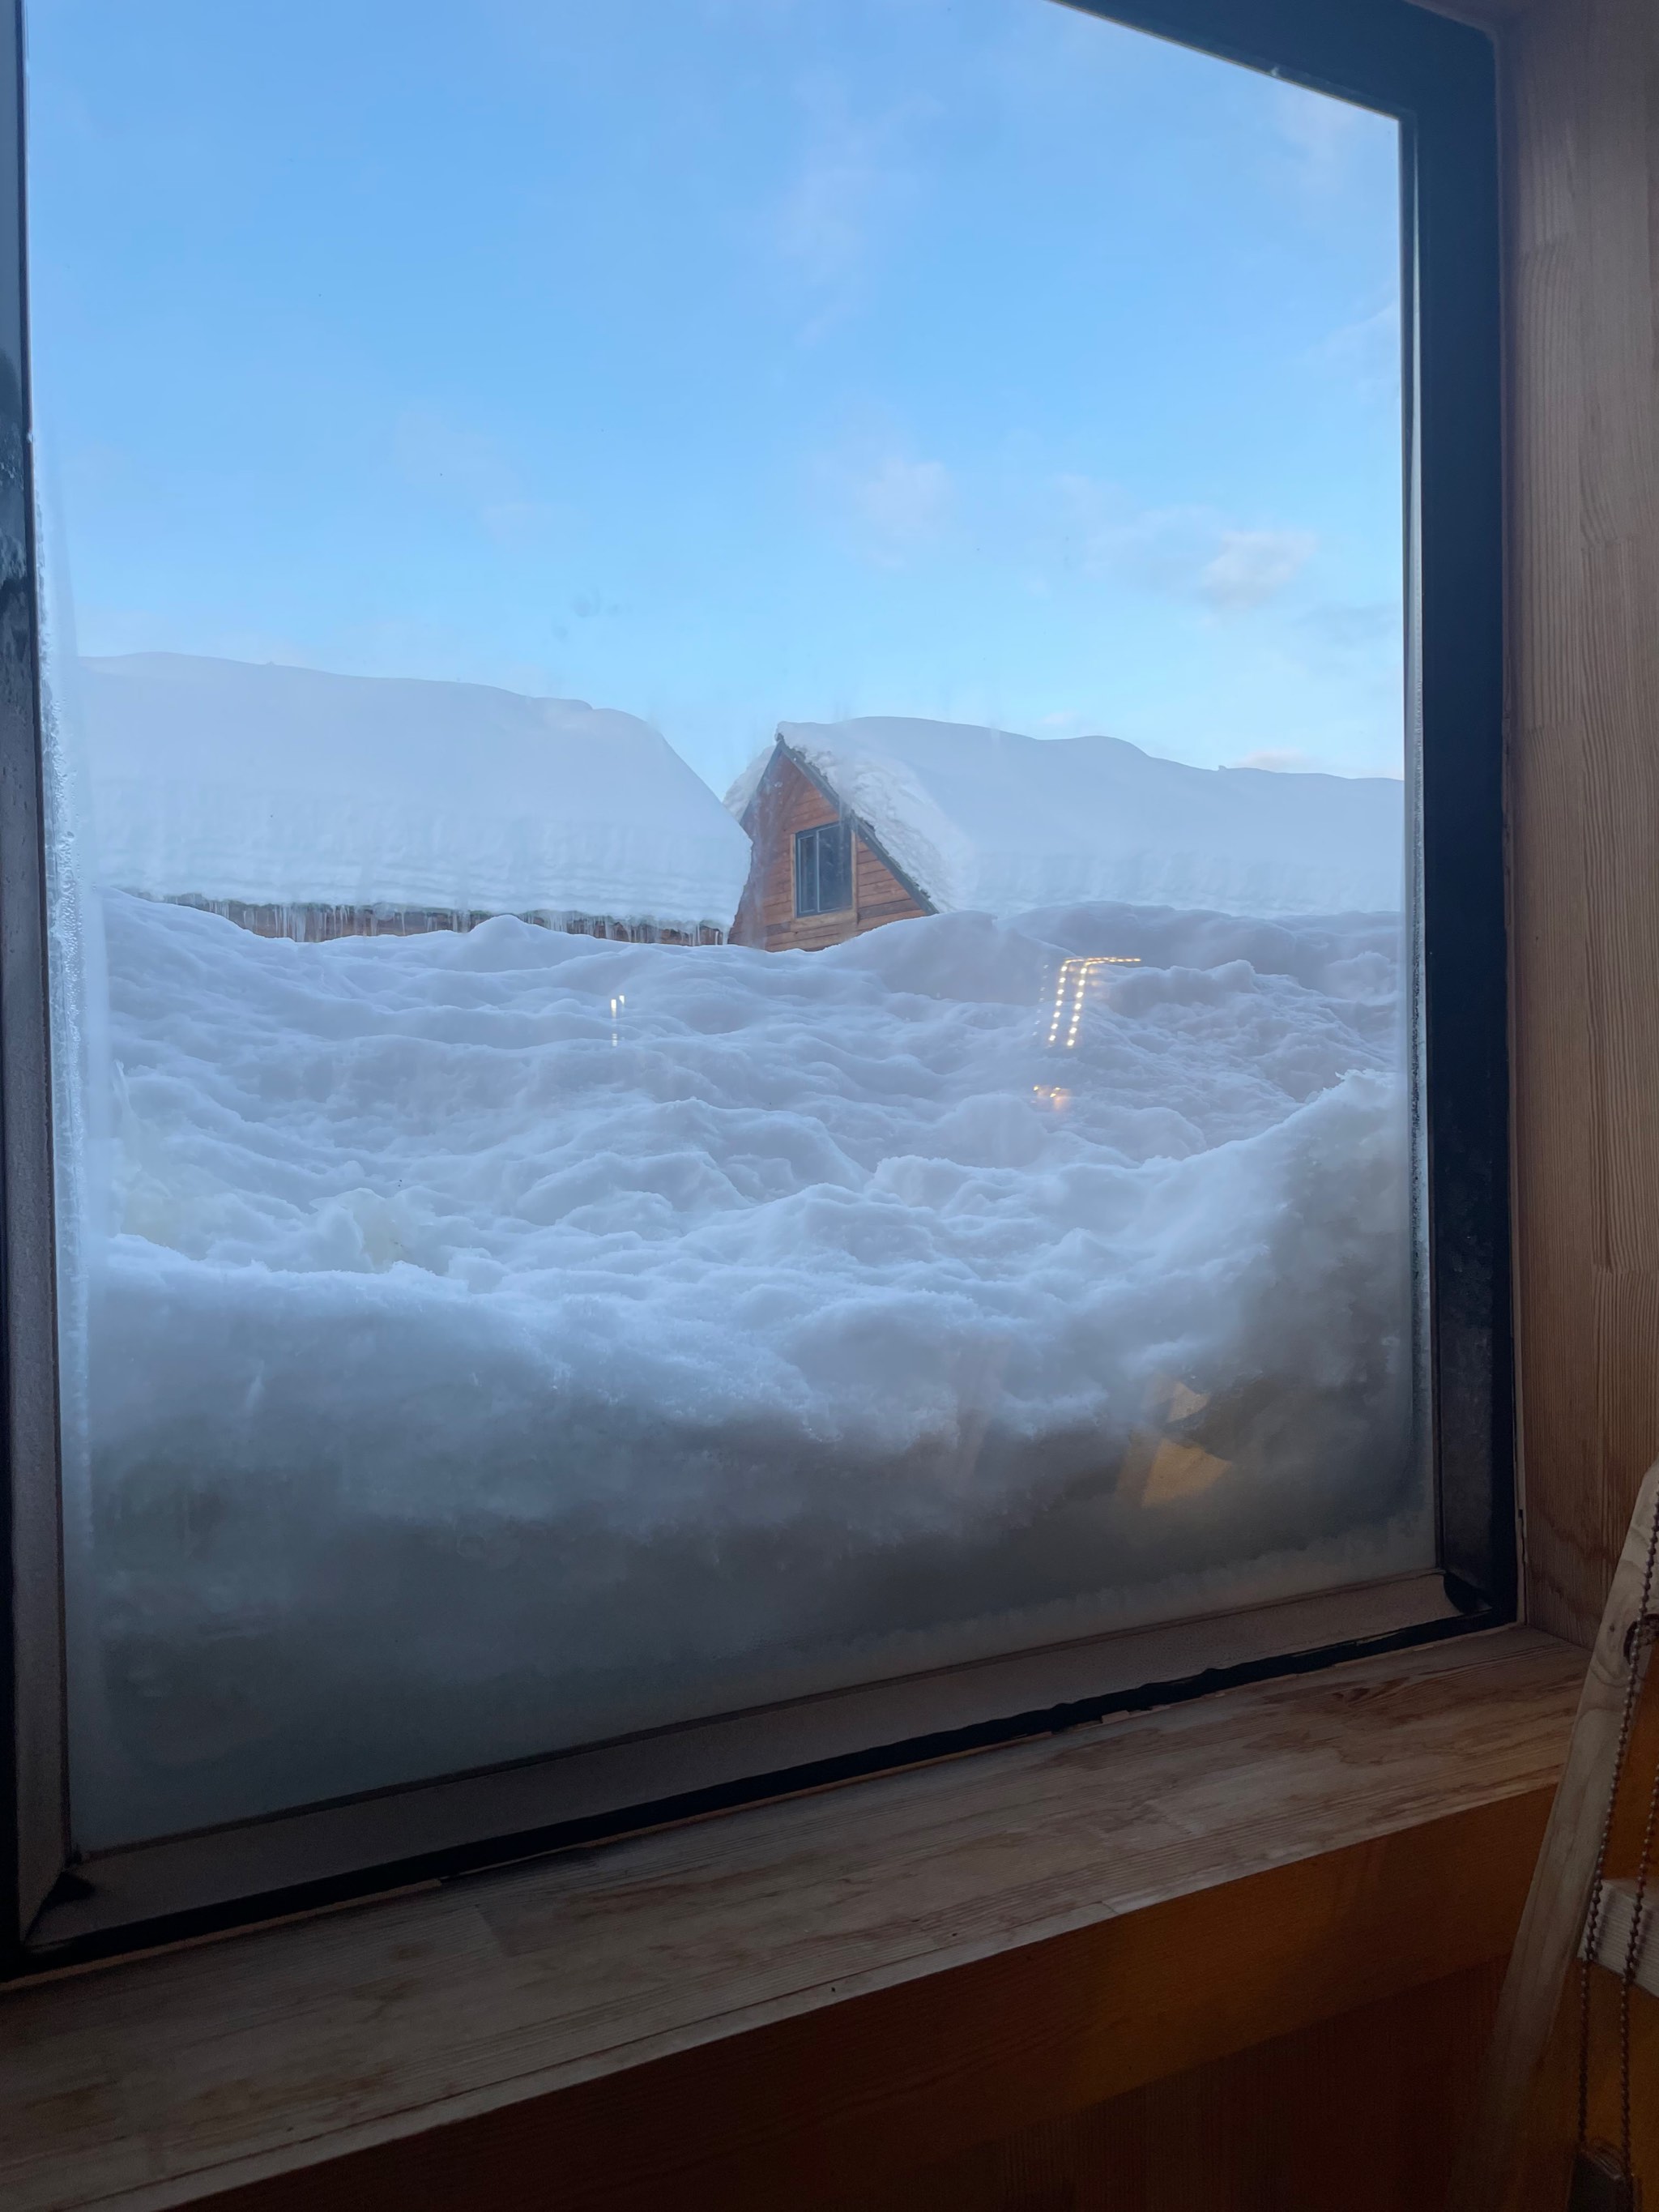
(728, 360)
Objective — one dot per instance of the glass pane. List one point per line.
(506, 472)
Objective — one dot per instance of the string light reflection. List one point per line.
(1072, 987)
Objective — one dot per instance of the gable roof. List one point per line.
(741, 797)
(987, 820)
(223, 780)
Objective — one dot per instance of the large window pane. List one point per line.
(728, 862)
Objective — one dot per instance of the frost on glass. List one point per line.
(528, 1272)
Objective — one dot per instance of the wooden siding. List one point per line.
(312, 923)
(786, 801)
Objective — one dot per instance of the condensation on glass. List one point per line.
(725, 753)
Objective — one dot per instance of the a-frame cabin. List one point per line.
(818, 873)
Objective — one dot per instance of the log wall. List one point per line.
(310, 922)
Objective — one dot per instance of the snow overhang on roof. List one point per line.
(219, 780)
(988, 820)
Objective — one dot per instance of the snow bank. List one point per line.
(217, 780)
(505, 1339)
(982, 820)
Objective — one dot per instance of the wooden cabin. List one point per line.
(818, 873)
(311, 922)
(299, 802)
(886, 819)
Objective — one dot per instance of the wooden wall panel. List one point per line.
(787, 801)
(1362, 2112)
(1581, 134)
(879, 894)
(869, 2091)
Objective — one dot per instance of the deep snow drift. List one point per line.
(987, 821)
(504, 1339)
(220, 780)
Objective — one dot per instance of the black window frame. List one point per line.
(810, 846)
(1437, 77)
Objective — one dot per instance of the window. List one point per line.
(823, 869)
(504, 1344)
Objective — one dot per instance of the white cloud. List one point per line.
(442, 457)
(890, 505)
(1160, 549)
(1179, 552)
(1366, 352)
(1253, 566)
(903, 504)
(823, 219)
(855, 175)
(1335, 629)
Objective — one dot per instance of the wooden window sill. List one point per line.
(783, 2005)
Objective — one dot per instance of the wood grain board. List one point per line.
(784, 2004)
(1371, 2101)
(1581, 129)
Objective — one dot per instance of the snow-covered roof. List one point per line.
(223, 779)
(984, 820)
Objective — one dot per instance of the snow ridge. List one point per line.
(219, 780)
(525, 1338)
(984, 820)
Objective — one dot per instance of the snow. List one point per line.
(983, 820)
(220, 780)
(507, 1339)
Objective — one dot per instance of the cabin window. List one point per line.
(823, 868)
(508, 1347)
